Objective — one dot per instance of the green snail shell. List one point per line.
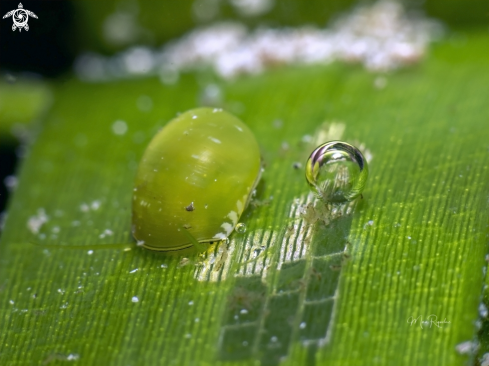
(197, 174)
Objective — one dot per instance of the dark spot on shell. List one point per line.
(190, 207)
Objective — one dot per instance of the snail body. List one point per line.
(194, 180)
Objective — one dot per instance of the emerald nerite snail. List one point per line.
(194, 180)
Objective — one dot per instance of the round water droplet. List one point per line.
(337, 171)
(241, 228)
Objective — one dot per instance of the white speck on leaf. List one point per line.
(119, 127)
(37, 221)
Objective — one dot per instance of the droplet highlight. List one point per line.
(241, 228)
(337, 172)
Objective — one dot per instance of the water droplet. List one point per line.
(241, 228)
(337, 171)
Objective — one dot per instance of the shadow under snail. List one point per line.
(194, 180)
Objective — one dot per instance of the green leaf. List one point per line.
(21, 102)
(290, 290)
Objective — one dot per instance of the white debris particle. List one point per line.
(11, 182)
(190, 303)
(381, 36)
(243, 311)
(107, 232)
(140, 243)
(84, 207)
(95, 205)
(55, 229)
(61, 291)
(485, 359)
(72, 357)
(119, 127)
(135, 299)
(369, 223)
(483, 310)
(90, 252)
(188, 335)
(302, 325)
(164, 266)
(11, 302)
(467, 347)
(37, 221)
(274, 339)
(134, 270)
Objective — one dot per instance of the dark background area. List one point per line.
(48, 48)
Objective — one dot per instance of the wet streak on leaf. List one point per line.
(294, 303)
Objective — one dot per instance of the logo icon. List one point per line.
(20, 17)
